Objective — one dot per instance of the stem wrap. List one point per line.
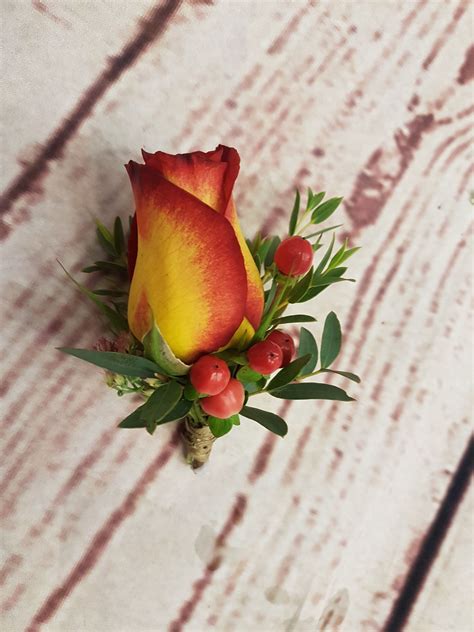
(197, 442)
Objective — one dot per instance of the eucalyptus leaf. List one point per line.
(311, 391)
(121, 363)
(331, 340)
(268, 420)
(136, 420)
(308, 346)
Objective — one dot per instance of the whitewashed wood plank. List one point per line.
(319, 532)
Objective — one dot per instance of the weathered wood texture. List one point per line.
(108, 530)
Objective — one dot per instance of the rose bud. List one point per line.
(194, 283)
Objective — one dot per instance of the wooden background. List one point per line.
(360, 519)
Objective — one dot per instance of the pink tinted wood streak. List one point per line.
(103, 536)
(152, 27)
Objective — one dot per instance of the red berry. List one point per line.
(286, 344)
(265, 357)
(226, 403)
(209, 375)
(294, 256)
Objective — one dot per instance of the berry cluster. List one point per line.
(222, 395)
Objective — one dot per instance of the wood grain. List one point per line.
(104, 529)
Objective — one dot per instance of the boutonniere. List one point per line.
(196, 312)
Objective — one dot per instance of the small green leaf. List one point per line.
(295, 318)
(122, 363)
(110, 266)
(190, 392)
(275, 242)
(301, 287)
(308, 346)
(136, 420)
(133, 420)
(311, 391)
(268, 420)
(325, 259)
(323, 230)
(119, 237)
(316, 199)
(232, 356)
(294, 214)
(220, 427)
(109, 293)
(288, 373)
(246, 374)
(270, 296)
(263, 250)
(178, 412)
(331, 340)
(117, 322)
(89, 269)
(350, 376)
(325, 210)
(235, 420)
(105, 238)
(161, 402)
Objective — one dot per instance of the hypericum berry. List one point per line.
(265, 357)
(286, 344)
(294, 256)
(226, 403)
(209, 375)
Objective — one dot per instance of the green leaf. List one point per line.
(294, 214)
(110, 266)
(350, 376)
(311, 391)
(122, 363)
(274, 243)
(133, 420)
(235, 420)
(220, 427)
(109, 293)
(105, 238)
(89, 269)
(232, 356)
(246, 374)
(119, 237)
(178, 412)
(159, 351)
(161, 402)
(331, 340)
(323, 230)
(295, 318)
(268, 420)
(325, 210)
(288, 373)
(270, 296)
(309, 347)
(301, 287)
(190, 392)
(263, 250)
(325, 259)
(255, 387)
(117, 322)
(316, 198)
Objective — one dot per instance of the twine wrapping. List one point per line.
(197, 443)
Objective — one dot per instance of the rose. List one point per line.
(194, 285)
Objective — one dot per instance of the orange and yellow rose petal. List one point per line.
(189, 274)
